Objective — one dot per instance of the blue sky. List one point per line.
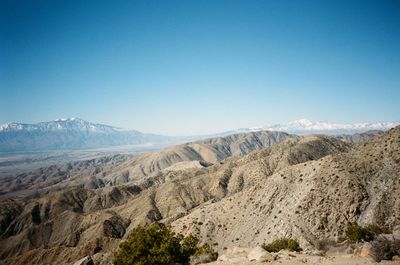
(191, 67)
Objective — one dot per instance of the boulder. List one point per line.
(204, 258)
(235, 255)
(85, 261)
(237, 251)
(259, 254)
(233, 258)
(365, 250)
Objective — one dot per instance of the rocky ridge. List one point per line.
(123, 169)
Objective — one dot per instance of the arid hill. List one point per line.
(358, 137)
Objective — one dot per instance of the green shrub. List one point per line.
(282, 243)
(356, 233)
(377, 230)
(158, 244)
(206, 249)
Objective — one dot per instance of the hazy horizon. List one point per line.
(199, 67)
(258, 127)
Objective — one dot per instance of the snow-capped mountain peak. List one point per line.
(64, 124)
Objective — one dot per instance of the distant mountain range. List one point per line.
(305, 126)
(75, 133)
(71, 133)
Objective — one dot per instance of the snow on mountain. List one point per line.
(65, 124)
(305, 126)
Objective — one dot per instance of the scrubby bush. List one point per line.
(158, 244)
(355, 233)
(282, 243)
(206, 249)
(203, 254)
(377, 230)
(324, 244)
(384, 248)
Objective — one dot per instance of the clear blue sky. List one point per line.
(189, 67)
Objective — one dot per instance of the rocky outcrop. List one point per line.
(115, 226)
(85, 261)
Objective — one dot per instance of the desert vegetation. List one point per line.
(356, 233)
(282, 244)
(158, 244)
(385, 248)
(380, 241)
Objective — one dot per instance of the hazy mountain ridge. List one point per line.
(305, 126)
(358, 137)
(71, 133)
(59, 125)
(75, 133)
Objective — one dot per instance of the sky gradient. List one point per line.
(195, 67)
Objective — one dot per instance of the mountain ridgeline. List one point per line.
(71, 133)
(75, 133)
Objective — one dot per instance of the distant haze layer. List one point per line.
(76, 133)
